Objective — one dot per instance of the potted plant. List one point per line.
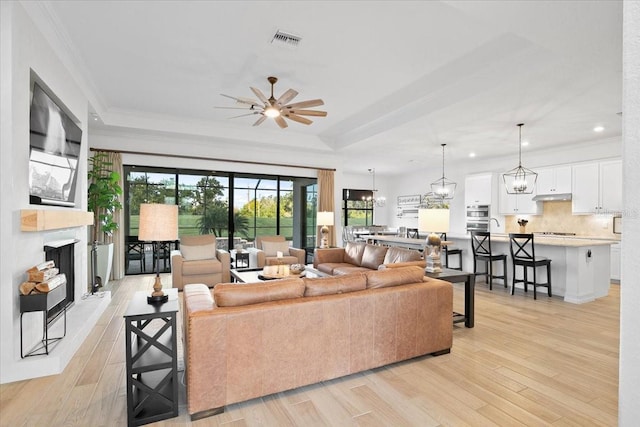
(103, 200)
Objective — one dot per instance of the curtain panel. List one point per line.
(326, 201)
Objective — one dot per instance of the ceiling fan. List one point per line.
(278, 109)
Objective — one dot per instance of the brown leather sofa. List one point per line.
(244, 341)
(360, 256)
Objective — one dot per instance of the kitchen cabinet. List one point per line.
(517, 204)
(478, 189)
(554, 180)
(615, 262)
(597, 187)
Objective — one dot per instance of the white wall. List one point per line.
(24, 49)
(629, 386)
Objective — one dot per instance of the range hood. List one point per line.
(552, 197)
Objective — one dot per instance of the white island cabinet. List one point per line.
(580, 267)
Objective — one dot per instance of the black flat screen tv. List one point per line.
(54, 152)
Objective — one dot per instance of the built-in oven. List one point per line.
(478, 217)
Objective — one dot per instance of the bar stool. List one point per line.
(412, 233)
(523, 253)
(481, 247)
(451, 251)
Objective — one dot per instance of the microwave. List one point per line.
(478, 212)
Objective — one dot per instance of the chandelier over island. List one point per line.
(443, 188)
(520, 180)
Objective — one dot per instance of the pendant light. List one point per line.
(520, 180)
(443, 188)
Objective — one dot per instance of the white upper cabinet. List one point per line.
(597, 187)
(554, 180)
(477, 189)
(516, 204)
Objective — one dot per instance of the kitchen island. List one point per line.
(580, 267)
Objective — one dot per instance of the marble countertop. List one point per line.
(568, 241)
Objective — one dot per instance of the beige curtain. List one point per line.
(117, 238)
(326, 201)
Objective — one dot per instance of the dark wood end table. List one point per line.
(457, 276)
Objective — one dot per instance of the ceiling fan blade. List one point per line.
(243, 100)
(235, 108)
(305, 104)
(260, 120)
(308, 113)
(280, 121)
(299, 119)
(244, 115)
(260, 96)
(287, 96)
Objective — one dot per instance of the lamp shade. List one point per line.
(325, 218)
(158, 222)
(433, 220)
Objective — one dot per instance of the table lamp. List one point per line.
(325, 219)
(158, 223)
(435, 221)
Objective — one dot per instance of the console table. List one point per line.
(457, 276)
(43, 303)
(151, 359)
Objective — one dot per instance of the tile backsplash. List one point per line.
(557, 217)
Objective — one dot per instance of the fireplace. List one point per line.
(61, 252)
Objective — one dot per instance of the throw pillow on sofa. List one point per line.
(272, 248)
(373, 256)
(198, 252)
(396, 255)
(353, 252)
(394, 277)
(231, 295)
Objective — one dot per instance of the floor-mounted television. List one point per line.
(55, 141)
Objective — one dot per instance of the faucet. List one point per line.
(493, 219)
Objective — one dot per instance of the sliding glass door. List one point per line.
(234, 207)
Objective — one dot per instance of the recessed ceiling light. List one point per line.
(598, 128)
(525, 143)
(472, 154)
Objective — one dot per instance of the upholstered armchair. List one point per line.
(266, 248)
(199, 261)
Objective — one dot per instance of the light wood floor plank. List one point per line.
(542, 362)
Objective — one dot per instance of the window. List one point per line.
(357, 207)
(236, 207)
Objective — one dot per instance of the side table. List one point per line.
(456, 276)
(242, 259)
(151, 359)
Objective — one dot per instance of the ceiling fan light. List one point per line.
(271, 112)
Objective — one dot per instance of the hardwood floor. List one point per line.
(526, 362)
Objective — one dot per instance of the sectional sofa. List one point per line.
(244, 341)
(361, 256)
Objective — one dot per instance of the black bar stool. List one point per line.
(523, 253)
(448, 250)
(412, 233)
(481, 247)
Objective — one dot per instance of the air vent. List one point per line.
(283, 38)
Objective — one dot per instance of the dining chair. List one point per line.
(135, 252)
(481, 248)
(523, 253)
(449, 251)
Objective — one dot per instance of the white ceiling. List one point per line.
(398, 78)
